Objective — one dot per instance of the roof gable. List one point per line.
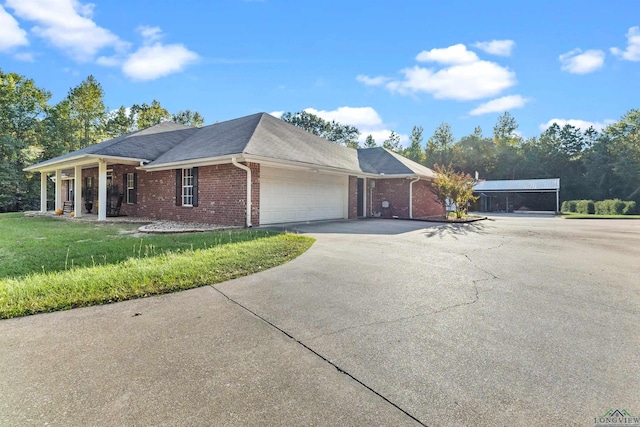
(381, 161)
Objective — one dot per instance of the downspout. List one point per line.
(246, 168)
(411, 197)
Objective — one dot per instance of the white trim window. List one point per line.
(131, 188)
(187, 187)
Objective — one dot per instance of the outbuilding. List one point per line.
(518, 195)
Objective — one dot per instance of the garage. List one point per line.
(288, 195)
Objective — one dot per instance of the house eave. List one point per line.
(85, 161)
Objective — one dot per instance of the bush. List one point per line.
(568, 206)
(615, 207)
(601, 207)
(585, 207)
(629, 208)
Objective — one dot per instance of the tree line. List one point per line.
(591, 164)
(33, 130)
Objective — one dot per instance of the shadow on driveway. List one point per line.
(378, 226)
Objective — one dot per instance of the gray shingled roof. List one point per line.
(146, 144)
(519, 185)
(256, 137)
(380, 160)
(260, 135)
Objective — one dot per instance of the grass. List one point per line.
(570, 215)
(73, 264)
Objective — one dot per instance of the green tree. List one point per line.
(393, 142)
(624, 140)
(507, 143)
(119, 122)
(454, 187)
(149, 115)
(415, 151)
(22, 105)
(439, 149)
(333, 131)
(87, 111)
(188, 118)
(59, 134)
(475, 153)
(369, 142)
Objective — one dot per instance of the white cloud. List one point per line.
(464, 76)
(157, 60)
(24, 57)
(11, 35)
(68, 25)
(500, 105)
(366, 119)
(579, 62)
(480, 79)
(372, 81)
(354, 116)
(452, 55)
(580, 124)
(496, 47)
(150, 34)
(632, 52)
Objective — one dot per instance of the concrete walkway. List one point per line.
(512, 321)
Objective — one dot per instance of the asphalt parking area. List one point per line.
(510, 321)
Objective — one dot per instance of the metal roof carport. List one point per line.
(547, 185)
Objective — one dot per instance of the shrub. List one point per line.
(615, 207)
(585, 206)
(568, 206)
(629, 208)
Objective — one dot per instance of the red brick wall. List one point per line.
(222, 192)
(353, 197)
(425, 203)
(396, 192)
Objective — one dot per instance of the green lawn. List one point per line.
(48, 264)
(569, 215)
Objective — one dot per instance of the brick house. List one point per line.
(250, 171)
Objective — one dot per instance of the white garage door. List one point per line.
(291, 195)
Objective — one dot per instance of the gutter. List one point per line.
(411, 196)
(248, 170)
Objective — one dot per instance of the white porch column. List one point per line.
(77, 192)
(102, 190)
(58, 189)
(43, 192)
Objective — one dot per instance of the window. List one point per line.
(187, 187)
(130, 187)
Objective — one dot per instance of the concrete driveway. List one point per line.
(512, 321)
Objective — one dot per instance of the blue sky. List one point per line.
(378, 65)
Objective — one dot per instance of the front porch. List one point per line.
(84, 187)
